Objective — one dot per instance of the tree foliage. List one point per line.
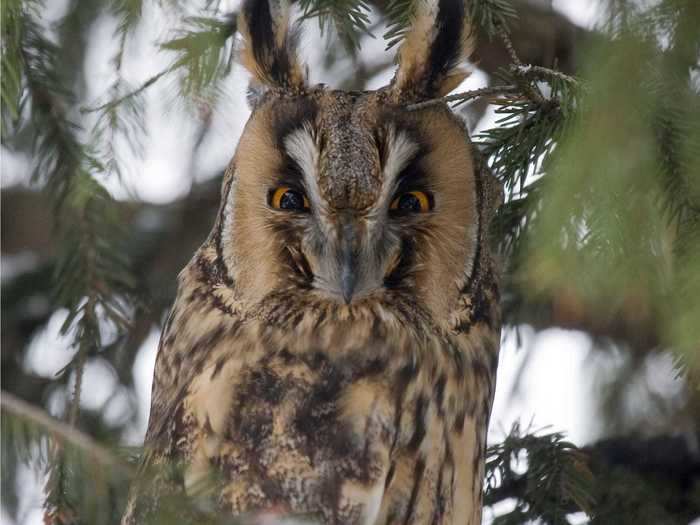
(600, 230)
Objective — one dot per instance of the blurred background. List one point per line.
(119, 119)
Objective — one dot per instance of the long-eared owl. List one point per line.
(332, 350)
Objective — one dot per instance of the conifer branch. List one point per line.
(349, 17)
(130, 95)
(557, 480)
(460, 98)
(91, 273)
(60, 432)
(492, 16)
(532, 91)
(542, 73)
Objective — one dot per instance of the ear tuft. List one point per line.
(269, 46)
(429, 58)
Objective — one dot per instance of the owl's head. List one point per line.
(350, 197)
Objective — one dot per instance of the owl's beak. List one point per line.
(344, 261)
(348, 263)
(348, 278)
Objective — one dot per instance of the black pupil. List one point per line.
(292, 200)
(409, 202)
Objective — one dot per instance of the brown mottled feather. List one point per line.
(276, 393)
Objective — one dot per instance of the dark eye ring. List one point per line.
(412, 202)
(286, 198)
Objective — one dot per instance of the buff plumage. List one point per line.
(330, 354)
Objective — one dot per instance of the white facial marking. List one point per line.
(400, 150)
(227, 227)
(472, 237)
(301, 146)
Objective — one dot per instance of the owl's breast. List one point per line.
(298, 431)
(339, 428)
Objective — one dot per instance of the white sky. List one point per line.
(581, 12)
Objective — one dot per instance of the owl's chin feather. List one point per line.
(347, 293)
(293, 309)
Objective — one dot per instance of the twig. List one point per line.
(541, 73)
(522, 73)
(113, 103)
(508, 43)
(61, 431)
(77, 388)
(533, 92)
(463, 97)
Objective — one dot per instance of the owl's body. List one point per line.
(332, 350)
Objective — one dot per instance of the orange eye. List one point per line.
(412, 202)
(286, 198)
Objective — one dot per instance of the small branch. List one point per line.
(512, 488)
(508, 43)
(60, 431)
(531, 91)
(112, 103)
(463, 97)
(542, 73)
(79, 368)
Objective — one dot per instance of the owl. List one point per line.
(332, 350)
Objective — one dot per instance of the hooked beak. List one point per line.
(348, 261)
(348, 274)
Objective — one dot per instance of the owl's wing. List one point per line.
(156, 480)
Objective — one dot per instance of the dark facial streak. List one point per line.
(406, 260)
(287, 226)
(290, 114)
(413, 177)
(221, 268)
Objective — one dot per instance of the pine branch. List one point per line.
(460, 98)
(203, 53)
(11, 58)
(557, 480)
(92, 277)
(525, 133)
(114, 103)
(123, 119)
(40, 440)
(493, 16)
(636, 481)
(203, 58)
(399, 15)
(489, 15)
(129, 14)
(349, 17)
(64, 434)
